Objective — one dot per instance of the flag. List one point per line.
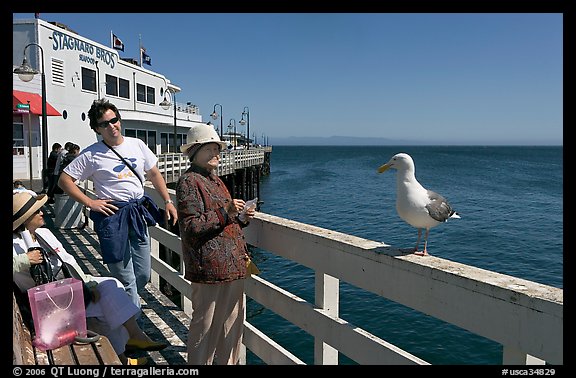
(145, 57)
(117, 43)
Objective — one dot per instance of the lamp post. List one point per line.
(229, 126)
(214, 116)
(246, 112)
(26, 73)
(165, 104)
(31, 169)
(229, 133)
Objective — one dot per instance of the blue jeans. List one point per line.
(134, 271)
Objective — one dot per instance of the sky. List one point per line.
(423, 78)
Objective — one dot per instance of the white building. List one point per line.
(78, 71)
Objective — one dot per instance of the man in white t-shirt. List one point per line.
(122, 211)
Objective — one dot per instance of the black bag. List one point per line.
(42, 273)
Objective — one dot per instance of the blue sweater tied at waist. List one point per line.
(113, 230)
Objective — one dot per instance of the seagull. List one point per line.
(416, 205)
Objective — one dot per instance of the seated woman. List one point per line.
(111, 313)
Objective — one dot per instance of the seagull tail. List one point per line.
(455, 215)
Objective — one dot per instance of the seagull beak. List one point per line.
(384, 168)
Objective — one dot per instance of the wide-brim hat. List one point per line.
(24, 205)
(199, 135)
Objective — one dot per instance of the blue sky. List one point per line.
(473, 78)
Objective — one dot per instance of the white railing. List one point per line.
(523, 316)
(172, 165)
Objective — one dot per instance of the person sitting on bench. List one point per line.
(110, 313)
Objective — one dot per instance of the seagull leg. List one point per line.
(418, 240)
(424, 252)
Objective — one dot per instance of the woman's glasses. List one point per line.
(104, 124)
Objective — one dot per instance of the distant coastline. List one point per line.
(365, 141)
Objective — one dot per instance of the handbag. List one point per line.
(58, 313)
(42, 273)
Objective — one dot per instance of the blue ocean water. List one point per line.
(510, 200)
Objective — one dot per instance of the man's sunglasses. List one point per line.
(104, 124)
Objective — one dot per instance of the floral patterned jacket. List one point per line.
(213, 245)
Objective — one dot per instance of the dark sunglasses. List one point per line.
(104, 124)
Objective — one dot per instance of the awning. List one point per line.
(19, 97)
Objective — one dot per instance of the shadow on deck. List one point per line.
(162, 320)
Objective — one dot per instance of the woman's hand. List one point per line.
(234, 207)
(250, 213)
(35, 256)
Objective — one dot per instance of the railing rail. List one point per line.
(172, 165)
(524, 316)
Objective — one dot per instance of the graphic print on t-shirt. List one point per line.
(121, 167)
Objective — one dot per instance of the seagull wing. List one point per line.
(439, 208)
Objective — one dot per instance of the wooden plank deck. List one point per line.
(162, 320)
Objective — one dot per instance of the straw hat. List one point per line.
(24, 205)
(199, 135)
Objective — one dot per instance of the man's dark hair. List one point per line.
(97, 110)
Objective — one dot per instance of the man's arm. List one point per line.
(66, 183)
(157, 180)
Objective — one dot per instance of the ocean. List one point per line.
(510, 199)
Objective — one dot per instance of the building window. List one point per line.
(145, 94)
(111, 85)
(151, 140)
(17, 135)
(141, 134)
(124, 88)
(141, 92)
(147, 136)
(150, 95)
(88, 79)
(163, 143)
(167, 142)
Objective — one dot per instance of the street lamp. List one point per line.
(229, 133)
(165, 104)
(27, 73)
(246, 112)
(229, 126)
(214, 116)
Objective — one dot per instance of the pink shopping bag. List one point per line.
(58, 312)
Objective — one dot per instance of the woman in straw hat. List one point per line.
(214, 252)
(111, 312)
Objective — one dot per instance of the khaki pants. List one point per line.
(217, 323)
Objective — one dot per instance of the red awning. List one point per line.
(19, 97)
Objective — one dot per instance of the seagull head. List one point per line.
(399, 161)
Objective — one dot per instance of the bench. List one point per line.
(24, 353)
